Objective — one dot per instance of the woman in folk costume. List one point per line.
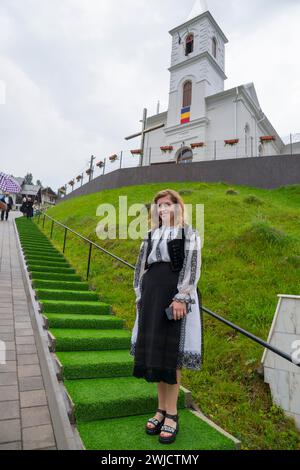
(166, 274)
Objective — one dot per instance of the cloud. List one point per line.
(79, 73)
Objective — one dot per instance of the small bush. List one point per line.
(232, 192)
(293, 261)
(202, 187)
(253, 200)
(185, 192)
(262, 231)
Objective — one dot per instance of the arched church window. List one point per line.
(185, 156)
(214, 47)
(187, 94)
(189, 44)
(247, 134)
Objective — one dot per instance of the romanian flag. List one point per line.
(185, 115)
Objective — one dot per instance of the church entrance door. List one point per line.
(185, 155)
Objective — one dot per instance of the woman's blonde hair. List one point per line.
(179, 212)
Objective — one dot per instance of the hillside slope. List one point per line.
(251, 254)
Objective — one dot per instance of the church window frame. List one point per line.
(189, 44)
(214, 47)
(187, 90)
(247, 138)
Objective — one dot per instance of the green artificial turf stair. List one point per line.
(90, 343)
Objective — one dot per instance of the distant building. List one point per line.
(49, 197)
(33, 191)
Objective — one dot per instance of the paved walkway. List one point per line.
(25, 421)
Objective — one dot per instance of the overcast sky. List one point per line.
(78, 73)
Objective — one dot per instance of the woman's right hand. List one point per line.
(179, 310)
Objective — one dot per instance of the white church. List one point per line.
(203, 121)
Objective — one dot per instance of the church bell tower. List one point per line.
(197, 67)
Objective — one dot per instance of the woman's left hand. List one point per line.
(179, 310)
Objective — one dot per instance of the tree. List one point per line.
(39, 183)
(28, 178)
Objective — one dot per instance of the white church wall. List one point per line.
(153, 141)
(221, 126)
(267, 148)
(295, 150)
(245, 119)
(211, 32)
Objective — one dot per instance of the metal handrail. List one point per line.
(209, 312)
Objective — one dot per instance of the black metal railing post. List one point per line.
(44, 220)
(65, 239)
(51, 233)
(89, 262)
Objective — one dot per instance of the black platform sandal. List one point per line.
(158, 424)
(169, 429)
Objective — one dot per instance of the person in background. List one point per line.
(2, 203)
(7, 199)
(29, 208)
(23, 206)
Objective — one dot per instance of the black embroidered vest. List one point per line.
(175, 249)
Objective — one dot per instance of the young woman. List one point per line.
(162, 347)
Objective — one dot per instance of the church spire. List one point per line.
(200, 6)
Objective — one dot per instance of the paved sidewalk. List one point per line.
(25, 421)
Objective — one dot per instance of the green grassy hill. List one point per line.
(250, 255)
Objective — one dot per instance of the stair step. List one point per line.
(42, 251)
(62, 285)
(52, 269)
(51, 294)
(55, 258)
(105, 398)
(48, 264)
(36, 244)
(58, 306)
(93, 364)
(194, 433)
(41, 276)
(89, 339)
(77, 321)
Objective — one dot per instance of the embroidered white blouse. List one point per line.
(190, 273)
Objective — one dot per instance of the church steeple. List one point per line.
(197, 65)
(200, 6)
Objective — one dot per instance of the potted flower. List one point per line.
(113, 158)
(136, 152)
(232, 141)
(197, 145)
(167, 148)
(267, 138)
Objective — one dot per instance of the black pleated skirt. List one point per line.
(158, 338)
